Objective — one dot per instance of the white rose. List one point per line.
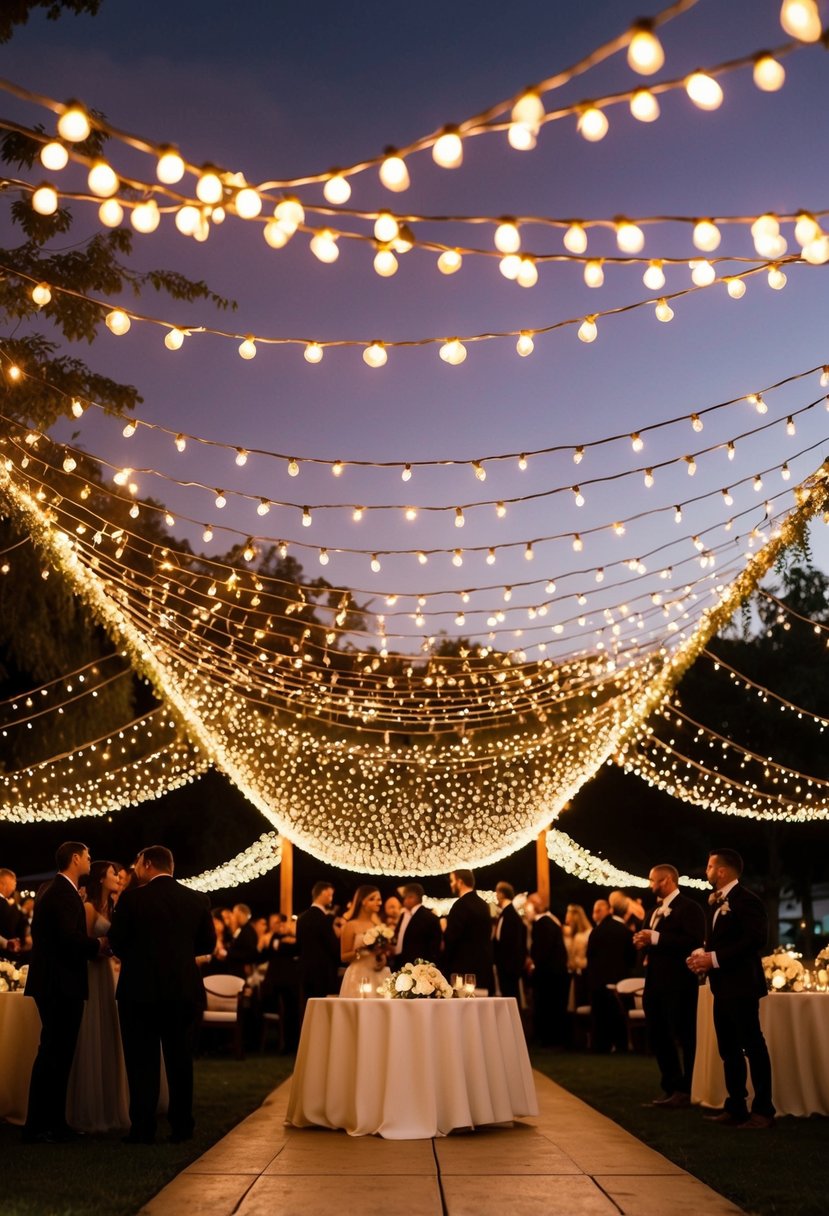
(404, 982)
(424, 986)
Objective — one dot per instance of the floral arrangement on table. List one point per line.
(784, 971)
(822, 967)
(380, 937)
(11, 977)
(419, 980)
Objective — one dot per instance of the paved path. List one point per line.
(569, 1161)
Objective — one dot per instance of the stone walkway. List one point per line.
(569, 1161)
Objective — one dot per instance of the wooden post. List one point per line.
(542, 863)
(286, 879)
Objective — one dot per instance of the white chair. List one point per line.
(225, 994)
(630, 992)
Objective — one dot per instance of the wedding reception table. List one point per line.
(19, 1038)
(410, 1069)
(796, 1029)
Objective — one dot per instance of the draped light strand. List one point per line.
(260, 858)
(577, 861)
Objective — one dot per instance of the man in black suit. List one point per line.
(675, 929)
(509, 943)
(418, 930)
(243, 948)
(467, 939)
(737, 932)
(58, 982)
(611, 955)
(158, 929)
(548, 974)
(317, 944)
(13, 925)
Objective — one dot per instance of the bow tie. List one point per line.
(715, 899)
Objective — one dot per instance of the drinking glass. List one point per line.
(469, 984)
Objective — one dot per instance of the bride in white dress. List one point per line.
(365, 964)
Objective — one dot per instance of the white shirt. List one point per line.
(723, 891)
(659, 912)
(407, 915)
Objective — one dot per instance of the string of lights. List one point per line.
(574, 859)
(765, 694)
(264, 855)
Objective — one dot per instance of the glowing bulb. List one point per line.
(736, 288)
(385, 263)
(578, 543)
(459, 519)
(707, 236)
(102, 179)
(645, 53)
(324, 246)
(588, 331)
(703, 273)
(816, 253)
(313, 353)
(507, 237)
(293, 468)
(209, 188)
(393, 173)
(247, 349)
(664, 312)
(54, 157)
(479, 470)
(41, 294)
(785, 472)
(759, 404)
(644, 106)
(593, 274)
(525, 345)
(263, 508)
(247, 202)
(453, 352)
(423, 559)
(375, 563)
(769, 74)
(728, 498)
(649, 479)
(575, 239)
(522, 137)
(490, 557)
(704, 91)
(174, 339)
(410, 514)
(528, 552)
(207, 536)
(69, 463)
(275, 235)
(691, 465)
(375, 355)
(337, 190)
(449, 261)
(806, 229)
(629, 237)
(522, 463)
(801, 19)
(790, 427)
(290, 213)
(45, 200)
(593, 124)
(500, 509)
(386, 227)
(306, 517)
(527, 273)
(221, 501)
(637, 442)
(758, 483)
(77, 408)
(678, 515)
(510, 266)
(187, 220)
(110, 213)
(731, 450)
(696, 422)
(529, 109)
(776, 279)
(145, 217)
(170, 167)
(117, 322)
(457, 557)
(406, 475)
(654, 276)
(73, 124)
(578, 496)
(129, 430)
(448, 150)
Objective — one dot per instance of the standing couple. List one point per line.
(157, 930)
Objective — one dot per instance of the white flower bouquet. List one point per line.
(419, 980)
(11, 978)
(378, 938)
(784, 971)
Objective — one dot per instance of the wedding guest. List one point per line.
(317, 944)
(98, 1094)
(125, 877)
(243, 948)
(576, 929)
(58, 984)
(418, 933)
(548, 973)
(676, 928)
(611, 956)
(627, 909)
(392, 911)
(281, 986)
(158, 930)
(509, 942)
(366, 961)
(467, 940)
(13, 926)
(736, 934)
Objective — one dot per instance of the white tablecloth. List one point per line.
(19, 1038)
(411, 1069)
(796, 1028)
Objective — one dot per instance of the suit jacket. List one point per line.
(467, 942)
(738, 939)
(12, 924)
(548, 950)
(242, 951)
(157, 931)
(611, 954)
(60, 944)
(680, 933)
(509, 945)
(318, 949)
(422, 938)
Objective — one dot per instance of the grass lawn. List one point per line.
(101, 1175)
(776, 1173)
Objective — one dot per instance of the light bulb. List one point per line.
(807, 229)
(593, 274)
(801, 19)
(707, 236)
(41, 294)
(117, 322)
(479, 470)
(728, 498)
(593, 124)
(507, 237)
(111, 213)
(406, 475)
(575, 239)
(145, 217)
(649, 478)
(490, 557)
(54, 157)
(790, 427)
(663, 311)
(241, 457)
(678, 515)
(769, 74)
(313, 353)
(528, 552)
(337, 190)
(102, 179)
(263, 508)
(691, 465)
(758, 483)
(77, 408)
(337, 468)
(816, 253)
(578, 496)
(448, 150)
(525, 345)
(654, 276)
(459, 518)
(449, 261)
(323, 557)
(731, 450)
(275, 235)
(697, 423)
(453, 352)
(785, 472)
(385, 263)
(174, 339)
(180, 442)
(410, 514)
(248, 204)
(522, 137)
(637, 442)
(528, 109)
(500, 509)
(209, 187)
(207, 536)
(45, 200)
(703, 273)
(170, 167)
(645, 53)
(578, 543)
(73, 124)
(375, 355)
(510, 266)
(644, 106)
(457, 560)
(527, 273)
(69, 463)
(629, 237)
(247, 349)
(221, 501)
(386, 227)
(293, 467)
(704, 91)
(522, 462)
(776, 279)
(393, 173)
(375, 563)
(587, 330)
(187, 220)
(324, 246)
(306, 517)
(736, 288)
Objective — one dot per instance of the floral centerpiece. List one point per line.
(784, 971)
(380, 937)
(418, 980)
(822, 967)
(11, 977)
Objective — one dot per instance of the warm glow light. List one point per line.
(54, 156)
(274, 234)
(507, 237)
(102, 179)
(707, 236)
(247, 202)
(187, 220)
(527, 273)
(117, 322)
(73, 124)
(654, 276)
(704, 91)
(337, 190)
(593, 274)
(393, 173)
(375, 355)
(776, 279)
(449, 261)
(41, 294)
(174, 339)
(703, 273)
(313, 353)
(448, 150)
(145, 217)
(45, 200)
(588, 331)
(769, 74)
(629, 237)
(801, 19)
(453, 352)
(385, 263)
(593, 124)
(209, 188)
(324, 246)
(664, 312)
(111, 213)
(575, 239)
(510, 266)
(736, 288)
(525, 345)
(290, 213)
(386, 227)
(644, 106)
(645, 53)
(247, 349)
(170, 167)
